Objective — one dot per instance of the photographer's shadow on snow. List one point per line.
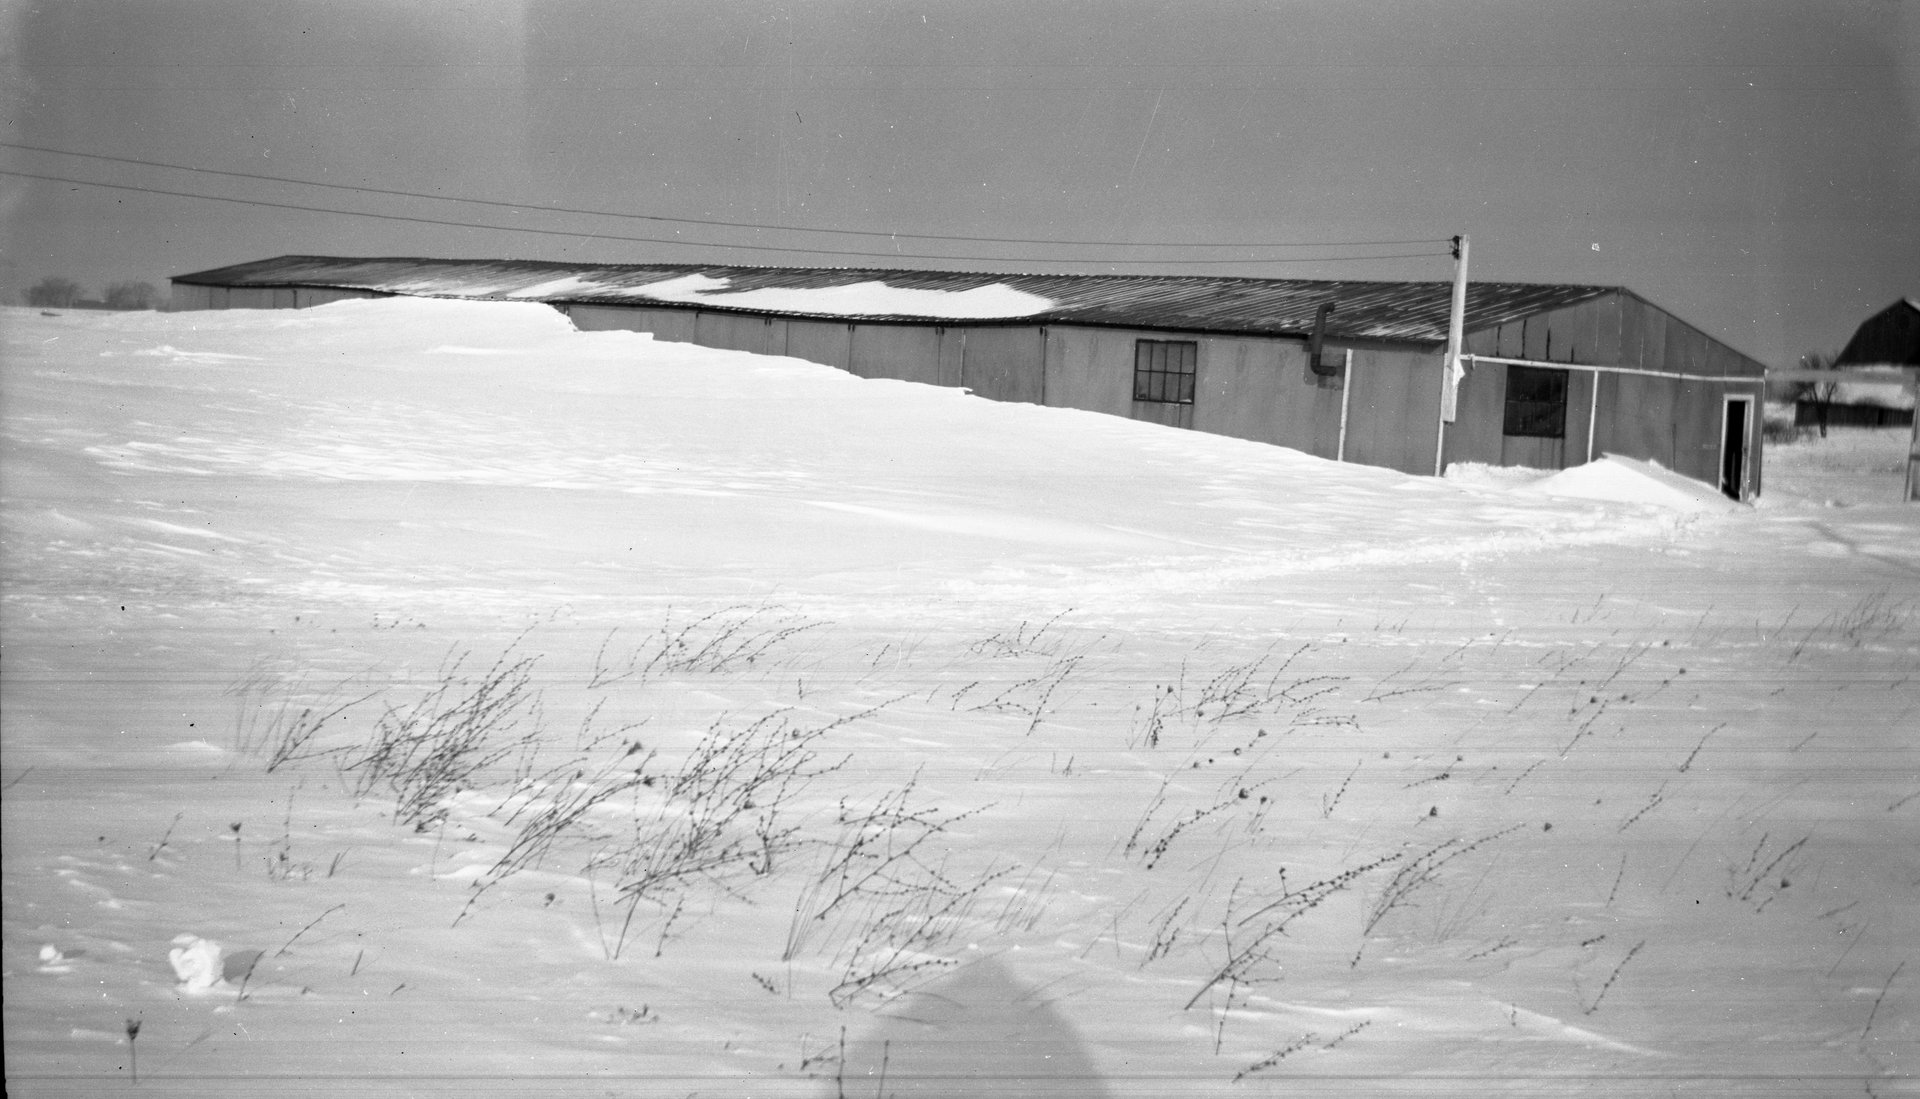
(977, 1031)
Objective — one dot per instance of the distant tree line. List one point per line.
(54, 292)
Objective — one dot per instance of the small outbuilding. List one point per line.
(1854, 404)
(1555, 375)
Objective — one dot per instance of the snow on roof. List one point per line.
(873, 298)
(558, 288)
(1416, 311)
(1879, 394)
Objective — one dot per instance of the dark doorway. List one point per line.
(1733, 448)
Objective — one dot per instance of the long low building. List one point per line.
(1556, 375)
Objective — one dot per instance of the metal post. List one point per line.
(1593, 408)
(1913, 443)
(1346, 395)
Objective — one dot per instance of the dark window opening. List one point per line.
(1536, 402)
(1163, 371)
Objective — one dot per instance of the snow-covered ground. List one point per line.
(1852, 465)
(417, 697)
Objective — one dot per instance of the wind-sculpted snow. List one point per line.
(413, 697)
(843, 474)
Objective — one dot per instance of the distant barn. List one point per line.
(1889, 338)
(1557, 375)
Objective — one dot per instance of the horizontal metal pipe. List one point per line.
(1617, 370)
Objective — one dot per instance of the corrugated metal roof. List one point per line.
(1412, 311)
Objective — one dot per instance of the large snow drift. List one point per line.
(837, 730)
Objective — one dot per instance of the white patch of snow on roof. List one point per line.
(861, 299)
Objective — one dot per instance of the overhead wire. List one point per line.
(716, 223)
(579, 235)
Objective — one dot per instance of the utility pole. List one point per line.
(1451, 369)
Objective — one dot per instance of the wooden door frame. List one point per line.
(1744, 488)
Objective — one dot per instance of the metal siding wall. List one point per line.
(1166, 415)
(1091, 369)
(953, 346)
(1569, 335)
(1576, 337)
(1230, 394)
(1636, 418)
(186, 297)
(1306, 414)
(1393, 415)
(249, 297)
(602, 318)
(1534, 339)
(668, 325)
(672, 325)
(908, 353)
(1686, 349)
(734, 332)
(1632, 333)
(1674, 422)
(306, 297)
(826, 342)
(1474, 435)
(1653, 339)
(1532, 452)
(1721, 359)
(1696, 431)
(1606, 321)
(1507, 339)
(1262, 390)
(1005, 364)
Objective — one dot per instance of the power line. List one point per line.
(671, 240)
(717, 223)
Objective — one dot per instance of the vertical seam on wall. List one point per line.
(1043, 365)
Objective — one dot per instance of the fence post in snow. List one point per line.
(1913, 441)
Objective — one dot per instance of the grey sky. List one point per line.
(1751, 166)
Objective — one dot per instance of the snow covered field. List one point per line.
(469, 705)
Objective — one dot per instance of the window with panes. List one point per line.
(1536, 402)
(1163, 370)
